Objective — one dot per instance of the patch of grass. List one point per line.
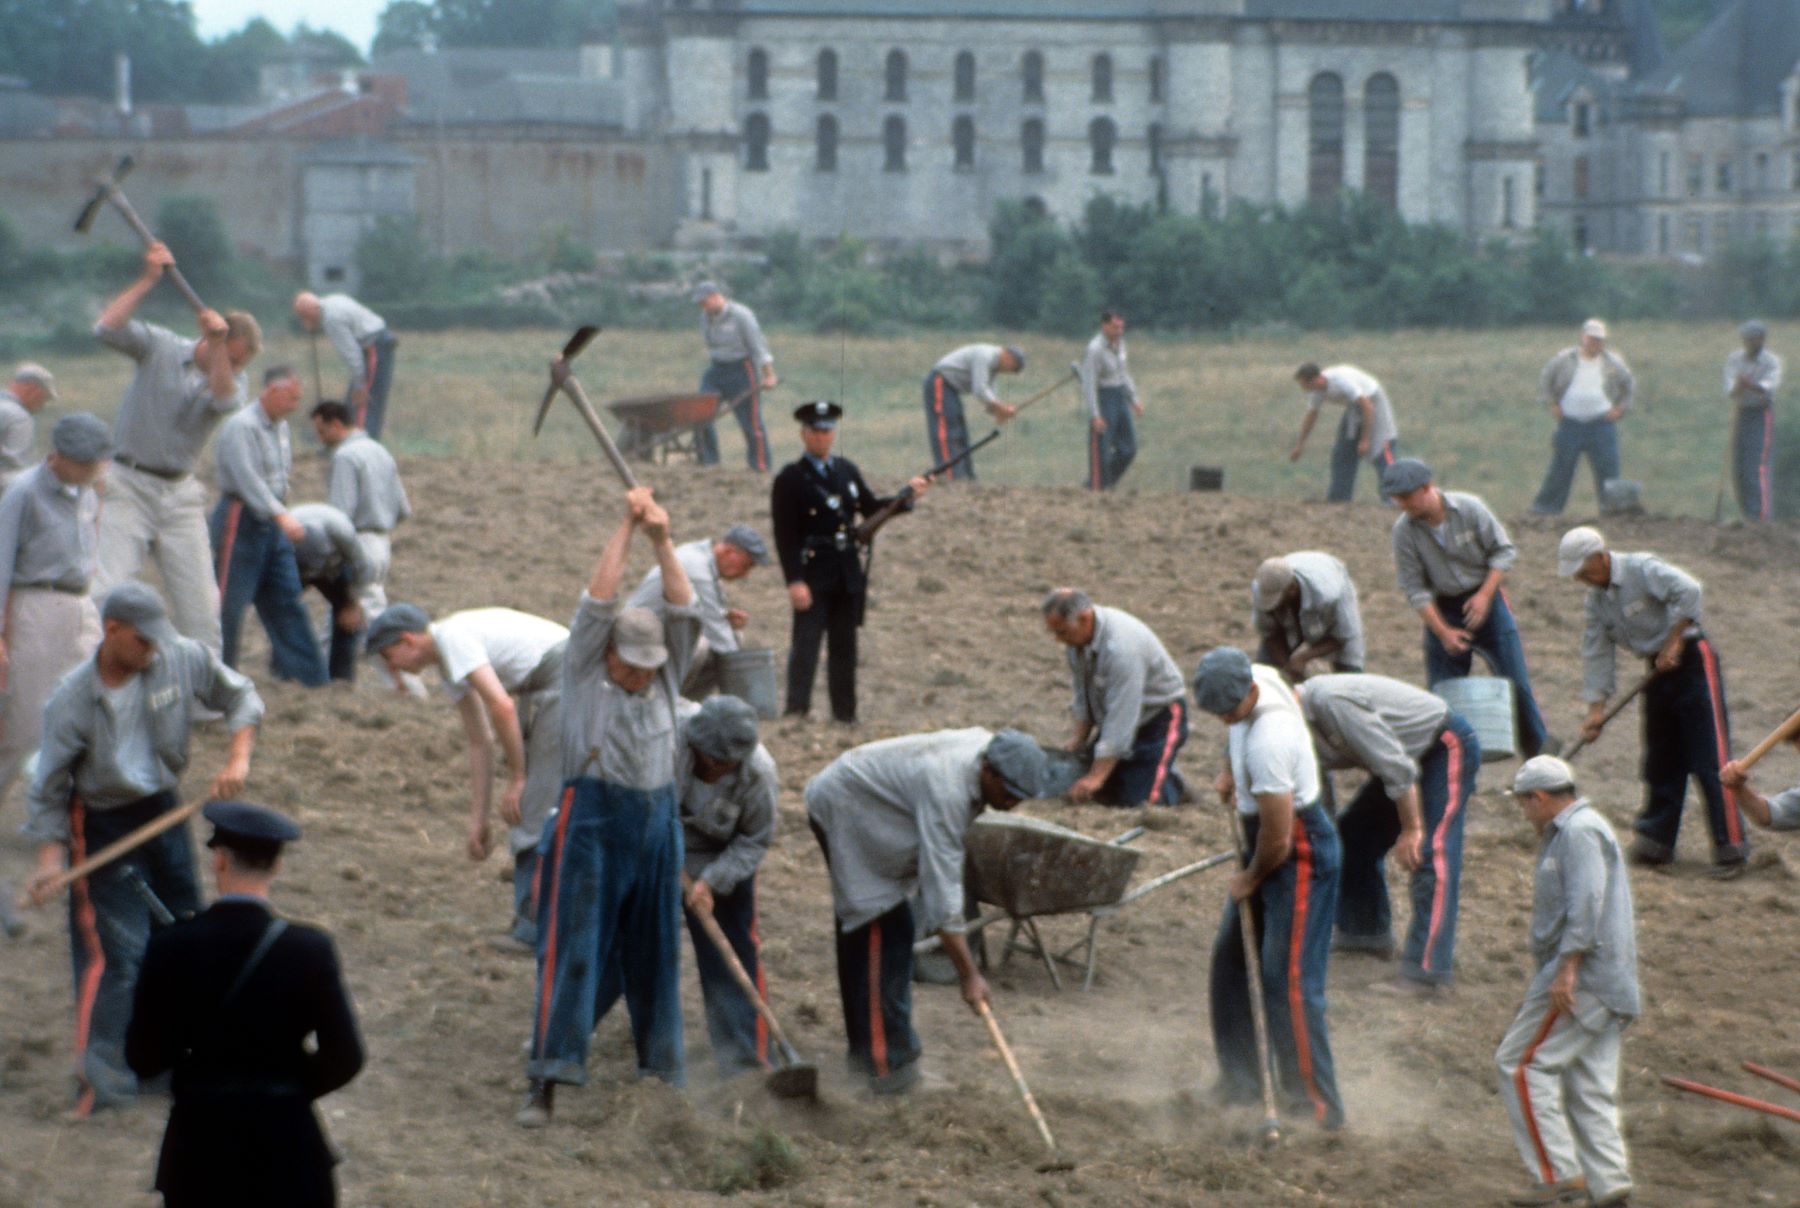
(760, 1162)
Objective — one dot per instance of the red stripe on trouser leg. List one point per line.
(762, 989)
(1734, 822)
(756, 428)
(1093, 457)
(232, 515)
(943, 432)
(87, 929)
(1768, 449)
(371, 362)
(1303, 859)
(1440, 862)
(547, 921)
(878, 1057)
(1168, 753)
(1546, 1172)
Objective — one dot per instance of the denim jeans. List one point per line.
(735, 383)
(1293, 910)
(740, 1038)
(1110, 453)
(1369, 826)
(946, 429)
(1345, 461)
(1687, 732)
(1753, 455)
(255, 563)
(1598, 439)
(1498, 641)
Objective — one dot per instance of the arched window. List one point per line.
(828, 74)
(893, 143)
(896, 76)
(965, 76)
(756, 143)
(825, 144)
(756, 74)
(1153, 138)
(1381, 140)
(962, 136)
(1031, 76)
(1325, 137)
(1102, 135)
(1103, 90)
(1156, 79)
(1031, 145)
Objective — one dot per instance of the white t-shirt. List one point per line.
(513, 643)
(1585, 398)
(1271, 750)
(136, 757)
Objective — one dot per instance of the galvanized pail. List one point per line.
(1486, 703)
(749, 675)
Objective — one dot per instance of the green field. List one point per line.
(1466, 401)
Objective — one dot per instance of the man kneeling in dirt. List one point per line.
(891, 817)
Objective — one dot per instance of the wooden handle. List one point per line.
(1732, 1097)
(1576, 747)
(1782, 733)
(1259, 1018)
(143, 232)
(112, 851)
(1046, 392)
(716, 934)
(1779, 1079)
(1018, 1076)
(579, 397)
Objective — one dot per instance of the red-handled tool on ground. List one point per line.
(1576, 747)
(1733, 1098)
(1057, 1160)
(107, 191)
(1775, 1076)
(1259, 1016)
(794, 1078)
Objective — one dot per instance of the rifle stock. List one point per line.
(865, 532)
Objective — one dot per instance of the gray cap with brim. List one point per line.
(1019, 761)
(1753, 329)
(750, 541)
(1405, 476)
(637, 637)
(134, 604)
(81, 437)
(704, 290)
(724, 729)
(395, 622)
(1222, 680)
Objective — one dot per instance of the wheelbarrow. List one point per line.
(1029, 869)
(652, 426)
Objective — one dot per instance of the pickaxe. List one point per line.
(1073, 375)
(107, 190)
(565, 381)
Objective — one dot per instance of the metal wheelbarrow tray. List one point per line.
(1029, 868)
(660, 423)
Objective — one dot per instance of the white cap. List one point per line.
(1578, 545)
(1542, 772)
(1595, 328)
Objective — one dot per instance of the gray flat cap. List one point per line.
(750, 541)
(637, 636)
(724, 729)
(1542, 772)
(1273, 578)
(134, 604)
(1018, 354)
(1020, 763)
(1754, 329)
(394, 622)
(1404, 476)
(704, 290)
(1222, 680)
(81, 437)
(31, 371)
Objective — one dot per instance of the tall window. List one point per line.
(1153, 138)
(1381, 139)
(756, 143)
(828, 75)
(1582, 118)
(965, 76)
(1031, 145)
(893, 143)
(896, 76)
(1156, 79)
(962, 137)
(1581, 177)
(1102, 135)
(1508, 218)
(756, 73)
(1103, 89)
(825, 144)
(1031, 74)
(1325, 137)
(1724, 176)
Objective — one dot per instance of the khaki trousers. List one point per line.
(1559, 1076)
(47, 634)
(143, 517)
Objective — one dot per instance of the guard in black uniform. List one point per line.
(227, 1001)
(815, 503)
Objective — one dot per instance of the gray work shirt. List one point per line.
(1645, 600)
(733, 336)
(970, 370)
(18, 432)
(1344, 384)
(623, 738)
(254, 460)
(364, 484)
(49, 534)
(697, 559)
(1764, 371)
(1374, 723)
(1617, 382)
(726, 826)
(350, 327)
(1453, 558)
(894, 814)
(1582, 903)
(1103, 367)
(168, 410)
(1123, 677)
(330, 545)
(1328, 608)
(1784, 810)
(85, 751)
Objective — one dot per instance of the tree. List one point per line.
(194, 233)
(404, 25)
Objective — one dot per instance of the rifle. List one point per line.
(865, 532)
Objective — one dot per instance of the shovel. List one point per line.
(1057, 1159)
(794, 1079)
(1576, 747)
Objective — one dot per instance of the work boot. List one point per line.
(540, 1095)
(1649, 852)
(1567, 1191)
(1728, 870)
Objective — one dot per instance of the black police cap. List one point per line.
(820, 413)
(246, 827)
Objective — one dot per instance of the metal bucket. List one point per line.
(1621, 497)
(1206, 478)
(749, 675)
(1027, 866)
(1486, 703)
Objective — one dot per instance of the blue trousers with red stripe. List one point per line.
(609, 892)
(1110, 453)
(1368, 827)
(946, 430)
(875, 974)
(1148, 775)
(1345, 461)
(1687, 732)
(740, 1038)
(255, 564)
(1499, 643)
(109, 928)
(735, 380)
(1752, 453)
(378, 371)
(1293, 911)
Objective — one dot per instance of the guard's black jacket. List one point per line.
(815, 517)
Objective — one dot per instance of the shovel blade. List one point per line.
(795, 1082)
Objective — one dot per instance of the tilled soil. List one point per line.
(953, 639)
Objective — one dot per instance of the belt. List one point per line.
(132, 463)
(63, 588)
(838, 540)
(379, 532)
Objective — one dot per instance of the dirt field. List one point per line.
(954, 639)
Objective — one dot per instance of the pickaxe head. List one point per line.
(559, 370)
(103, 192)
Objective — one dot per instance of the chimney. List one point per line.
(122, 85)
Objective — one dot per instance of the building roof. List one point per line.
(1112, 10)
(505, 87)
(1735, 66)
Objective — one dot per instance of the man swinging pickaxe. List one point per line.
(561, 378)
(108, 191)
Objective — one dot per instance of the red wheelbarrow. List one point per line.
(653, 426)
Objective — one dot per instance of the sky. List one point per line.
(355, 19)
